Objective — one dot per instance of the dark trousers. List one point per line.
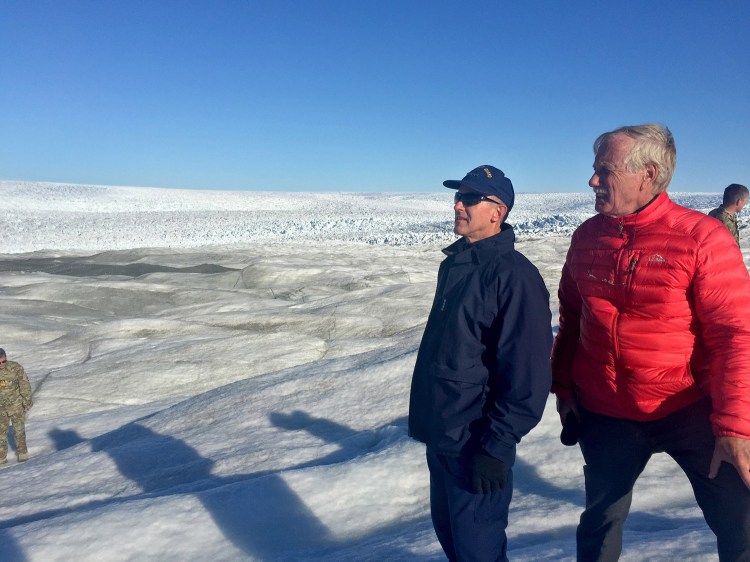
(616, 452)
(469, 526)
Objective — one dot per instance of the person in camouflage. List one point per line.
(735, 198)
(15, 401)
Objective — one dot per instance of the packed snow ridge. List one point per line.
(93, 218)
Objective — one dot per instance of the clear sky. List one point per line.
(355, 95)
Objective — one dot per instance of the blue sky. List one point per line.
(353, 95)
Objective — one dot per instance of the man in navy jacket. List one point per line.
(482, 375)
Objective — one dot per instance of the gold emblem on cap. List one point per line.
(487, 171)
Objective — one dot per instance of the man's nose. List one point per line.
(594, 180)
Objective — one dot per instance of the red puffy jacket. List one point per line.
(654, 310)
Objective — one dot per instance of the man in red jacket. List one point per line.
(653, 350)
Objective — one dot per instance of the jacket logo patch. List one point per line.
(657, 258)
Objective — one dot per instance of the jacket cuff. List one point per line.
(728, 433)
(562, 392)
(499, 450)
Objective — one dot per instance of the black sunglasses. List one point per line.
(470, 199)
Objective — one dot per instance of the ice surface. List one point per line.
(225, 376)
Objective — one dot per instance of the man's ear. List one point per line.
(651, 173)
(500, 213)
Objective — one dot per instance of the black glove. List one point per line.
(487, 474)
(569, 433)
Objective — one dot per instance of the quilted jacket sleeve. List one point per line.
(566, 341)
(721, 293)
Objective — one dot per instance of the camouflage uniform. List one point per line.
(729, 220)
(15, 401)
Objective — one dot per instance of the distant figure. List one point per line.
(735, 198)
(482, 374)
(652, 354)
(15, 401)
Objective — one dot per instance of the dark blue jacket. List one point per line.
(482, 375)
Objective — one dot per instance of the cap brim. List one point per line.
(458, 184)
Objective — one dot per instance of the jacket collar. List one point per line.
(481, 250)
(727, 215)
(650, 212)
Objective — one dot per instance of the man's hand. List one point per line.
(487, 474)
(735, 451)
(27, 407)
(566, 406)
(569, 419)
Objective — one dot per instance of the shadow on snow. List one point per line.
(265, 521)
(268, 520)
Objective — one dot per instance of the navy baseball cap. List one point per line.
(487, 180)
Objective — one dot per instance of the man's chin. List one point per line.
(601, 206)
